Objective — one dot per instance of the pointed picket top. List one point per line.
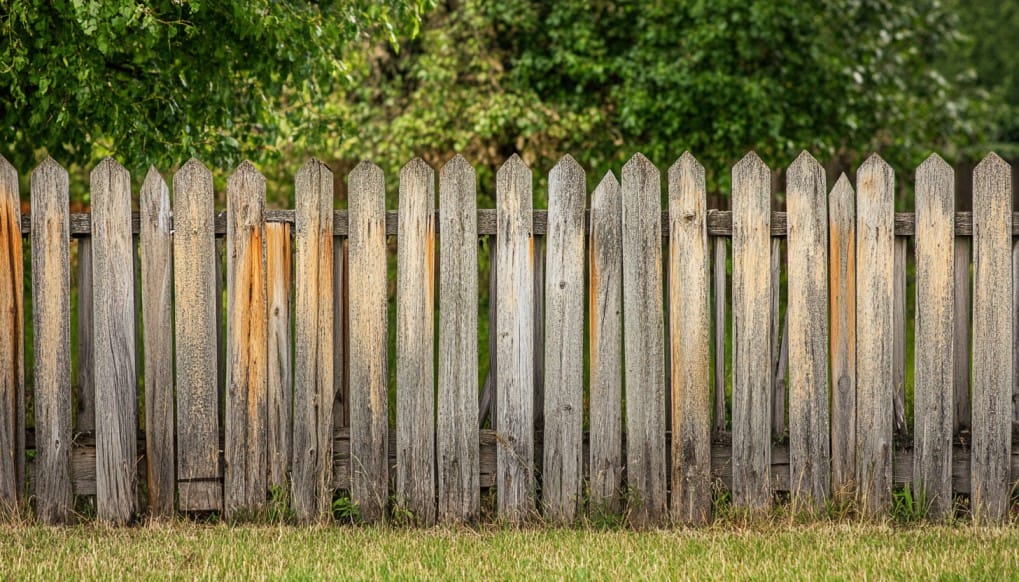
(804, 161)
(567, 178)
(806, 176)
(513, 186)
(935, 178)
(109, 165)
(876, 178)
(568, 167)
(49, 167)
(992, 163)
(246, 170)
(934, 163)
(750, 162)
(9, 183)
(416, 166)
(194, 167)
(245, 192)
(873, 163)
(5, 166)
(842, 193)
(311, 167)
(458, 164)
(606, 194)
(366, 179)
(513, 166)
(686, 176)
(155, 196)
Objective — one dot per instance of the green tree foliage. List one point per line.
(159, 81)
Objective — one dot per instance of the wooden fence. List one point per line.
(292, 392)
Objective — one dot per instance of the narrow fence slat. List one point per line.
(113, 308)
(605, 313)
(778, 387)
(313, 342)
(415, 343)
(690, 324)
(842, 317)
(157, 336)
(562, 470)
(538, 344)
(51, 342)
(85, 417)
(246, 445)
(721, 328)
(899, 350)
(12, 338)
(369, 421)
(341, 403)
(458, 453)
(875, 299)
(933, 397)
(751, 411)
(194, 271)
(280, 385)
(644, 329)
(515, 339)
(807, 339)
(962, 289)
(992, 339)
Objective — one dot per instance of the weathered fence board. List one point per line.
(458, 463)
(280, 385)
(85, 392)
(690, 324)
(992, 339)
(807, 339)
(113, 309)
(415, 342)
(751, 409)
(605, 317)
(935, 329)
(562, 470)
(12, 338)
(643, 341)
(515, 339)
(842, 315)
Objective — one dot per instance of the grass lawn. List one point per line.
(847, 551)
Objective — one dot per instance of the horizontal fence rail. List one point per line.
(645, 352)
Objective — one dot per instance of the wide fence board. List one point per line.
(807, 335)
(415, 343)
(515, 340)
(562, 470)
(752, 383)
(992, 339)
(279, 367)
(85, 391)
(842, 318)
(689, 349)
(51, 342)
(116, 382)
(459, 496)
(12, 338)
(157, 337)
(720, 329)
(935, 342)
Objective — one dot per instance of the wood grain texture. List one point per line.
(933, 397)
(246, 445)
(415, 343)
(157, 337)
(458, 462)
(341, 400)
(875, 299)
(778, 383)
(751, 296)
(605, 325)
(690, 324)
(85, 408)
(643, 329)
(51, 342)
(963, 288)
(992, 339)
(12, 341)
(842, 320)
(280, 372)
(899, 323)
(313, 343)
(562, 470)
(720, 329)
(515, 339)
(113, 328)
(369, 416)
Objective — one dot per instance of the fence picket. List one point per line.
(12, 338)
(690, 324)
(644, 330)
(992, 339)
(721, 328)
(842, 318)
(778, 384)
(85, 409)
(751, 410)
(280, 386)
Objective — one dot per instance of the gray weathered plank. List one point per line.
(899, 322)
(961, 375)
(562, 470)
(369, 420)
(247, 422)
(721, 328)
(643, 329)
(113, 308)
(415, 343)
(12, 340)
(458, 461)
(807, 340)
(992, 339)
(875, 298)
(85, 409)
(933, 397)
(313, 342)
(842, 318)
(751, 294)
(195, 328)
(280, 384)
(690, 323)
(515, 338)
(157, 336)
(51, 342)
